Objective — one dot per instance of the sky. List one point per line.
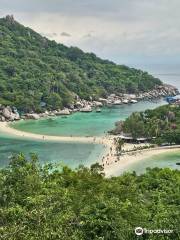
(133, 32)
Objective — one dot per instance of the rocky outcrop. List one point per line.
(159, 91)
(11, 114)
(8, 114)
(86, 109)
(33, 116)
(97, 104)
(63, 112)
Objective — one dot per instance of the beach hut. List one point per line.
(141, 140)
(126, 138)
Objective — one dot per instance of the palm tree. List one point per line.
(119, 145)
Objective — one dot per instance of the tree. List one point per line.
(31, 63)
(48, 203)
(119, 144)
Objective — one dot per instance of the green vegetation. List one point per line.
(41, 203)
(37, 73)
(162, 123)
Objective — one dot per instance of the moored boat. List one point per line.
(98, 110)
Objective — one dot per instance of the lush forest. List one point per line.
(36, 72)
(42, 203)
(162, 124)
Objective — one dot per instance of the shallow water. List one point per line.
(70, 154)
(165, 160)
(85, 124)
(78, 124)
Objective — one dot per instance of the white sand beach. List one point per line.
(127, 159)
(6, 128)
(111, 162)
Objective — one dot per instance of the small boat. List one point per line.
(98, 110)
(125, 101)
(178, 163)
(134, 101)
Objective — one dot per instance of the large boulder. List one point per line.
(7, 112)
(2, 119)
(103, 100)
(10, 114)
(97, 104)
(79, 104)
(14, 116)
(86, 109)
(33, 116)
(63, 112)
(117, 102)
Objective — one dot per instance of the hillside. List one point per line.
(162, 124)
(35, 71)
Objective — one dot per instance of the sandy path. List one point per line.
(5, 128)
(111, 162)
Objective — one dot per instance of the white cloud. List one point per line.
(123, 30)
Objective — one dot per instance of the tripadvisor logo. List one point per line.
(140, 231)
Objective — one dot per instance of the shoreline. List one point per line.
(110, 161)
(81, 105)
(129, 158)
(5, 128)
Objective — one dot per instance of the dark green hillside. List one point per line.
(162, 123)
(34, 69)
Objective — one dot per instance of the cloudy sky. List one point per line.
(133, 32)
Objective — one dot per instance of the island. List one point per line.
(40, 78)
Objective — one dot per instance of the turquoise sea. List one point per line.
(85, 124)
(70, 154)
(165, 160)
(82, 124)
(78, 124)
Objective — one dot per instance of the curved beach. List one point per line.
(130, 158)
(7, 129)
(111, 162)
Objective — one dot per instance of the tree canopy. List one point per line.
(35, 70)
(43, 203)
(162, 123)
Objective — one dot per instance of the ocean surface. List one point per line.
(70, 154)
(85, 124)
(78, 124)
(167, 160)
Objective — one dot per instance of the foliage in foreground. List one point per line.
(35, 71)
(41, 203)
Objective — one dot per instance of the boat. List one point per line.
(98, 110)
(178, 163)
(134, 101)
(125, 101)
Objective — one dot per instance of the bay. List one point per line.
(78, 124)
(85, 124)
